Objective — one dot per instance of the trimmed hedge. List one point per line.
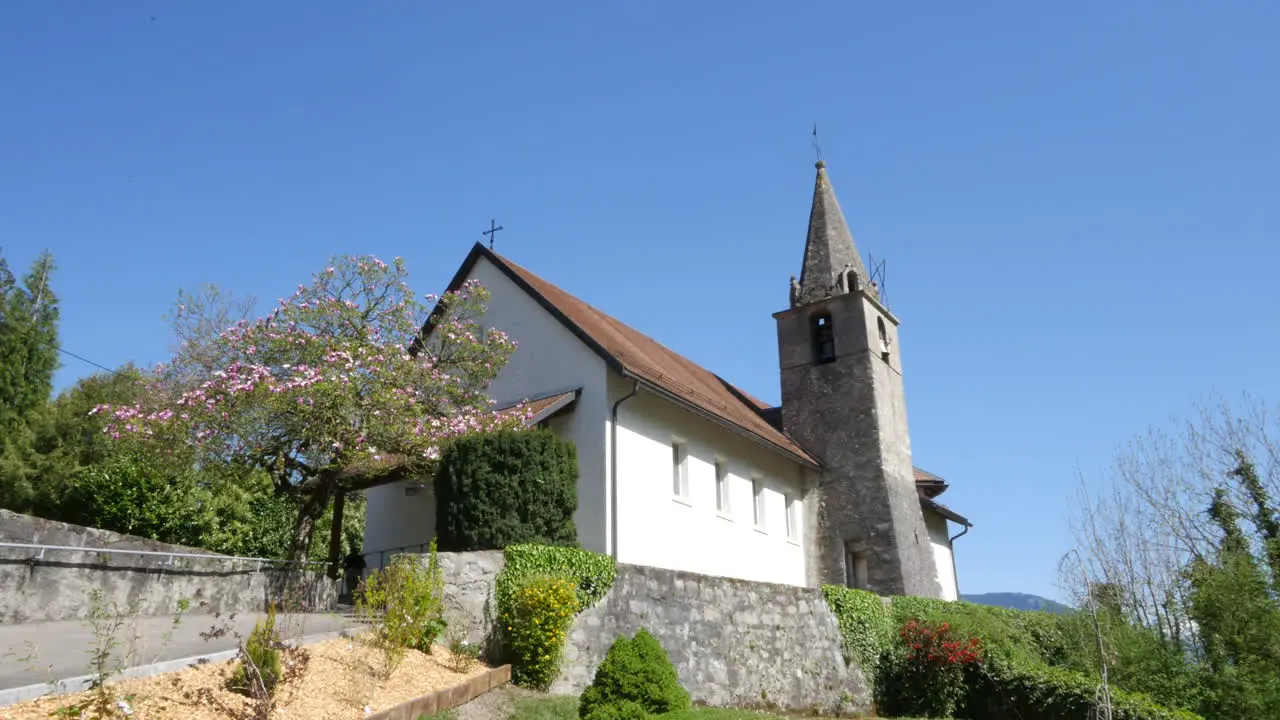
(1046, 693)
(1018, 676)
(506, 488)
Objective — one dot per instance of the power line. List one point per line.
(81, 358)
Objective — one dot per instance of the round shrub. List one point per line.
(535, 618)
(635, 675)
(506, 488)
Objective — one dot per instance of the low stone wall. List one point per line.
(469, 601)
(57, 586)
(734, 643)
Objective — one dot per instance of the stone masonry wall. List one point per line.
(57, 586)
(734, 643)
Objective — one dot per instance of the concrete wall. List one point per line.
(734, 643)
(658, 528)
(940, 539)
(548, 359)
(57, 586)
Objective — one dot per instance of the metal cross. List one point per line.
(493, 230)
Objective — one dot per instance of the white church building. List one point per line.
(680, 469)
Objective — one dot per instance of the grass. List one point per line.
(566, 708)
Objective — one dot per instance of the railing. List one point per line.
(157, 553)
(422, 549)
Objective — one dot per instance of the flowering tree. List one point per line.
(336, 389)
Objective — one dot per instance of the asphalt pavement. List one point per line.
(35, 653)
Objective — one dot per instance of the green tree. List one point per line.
(28, 359)
(1237, 614)
(335, 389)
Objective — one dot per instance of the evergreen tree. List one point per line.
(28, 359)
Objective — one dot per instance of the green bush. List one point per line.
(263, 651)
(998, 692)
(591, 573)
(926, 673)
(1013, 635)
(535, 620)
(405, 602)
(866, 626)
(635, 679)
(1034, 665)
(538, 592)
(505, 488)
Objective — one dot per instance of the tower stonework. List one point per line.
(843, 400)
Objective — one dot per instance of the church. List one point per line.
(680, 469)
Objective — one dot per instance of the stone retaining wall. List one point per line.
(734, 643)
(57, 586)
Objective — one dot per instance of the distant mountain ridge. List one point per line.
(1017, 601)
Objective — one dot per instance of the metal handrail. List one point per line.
(422, 548)
(158, 553)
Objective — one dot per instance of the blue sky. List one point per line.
(1077, 203)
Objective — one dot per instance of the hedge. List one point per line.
(1017, 677)
(506, 488)
(539, 592)
(1047, 693)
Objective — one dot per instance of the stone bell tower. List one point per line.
(843, 400)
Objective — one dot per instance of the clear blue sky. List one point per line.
(1077, 202)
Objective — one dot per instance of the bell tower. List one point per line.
(843, 400)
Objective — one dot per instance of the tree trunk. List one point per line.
(312, 507)
(335, 535)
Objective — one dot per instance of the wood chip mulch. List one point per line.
(340, 681)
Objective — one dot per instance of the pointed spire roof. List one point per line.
(828, 249)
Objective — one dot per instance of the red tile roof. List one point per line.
(638, 356)
(633, 353)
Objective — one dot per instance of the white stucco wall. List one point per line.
(395, 518)
(655, 528)
(940, 540)
(548, 359)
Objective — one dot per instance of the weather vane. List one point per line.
(817, 149)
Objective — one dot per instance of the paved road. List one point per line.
(60, 650)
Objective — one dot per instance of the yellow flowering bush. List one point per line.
(535, 620)
(539, 591)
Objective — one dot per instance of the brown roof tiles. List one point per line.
(646, 360)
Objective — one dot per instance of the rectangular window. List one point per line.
(757, 505)
(793, 518)
(722, 487)
(857, 570)
(680, 469)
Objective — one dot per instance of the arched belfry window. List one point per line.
(824, 339)
(884, 338)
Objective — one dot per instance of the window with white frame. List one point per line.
(757, 504)
(793, 518)
(680, 469)
(722, 487)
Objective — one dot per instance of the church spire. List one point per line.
(832, 265)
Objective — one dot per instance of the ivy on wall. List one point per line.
(539, 592)
(866, 625)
